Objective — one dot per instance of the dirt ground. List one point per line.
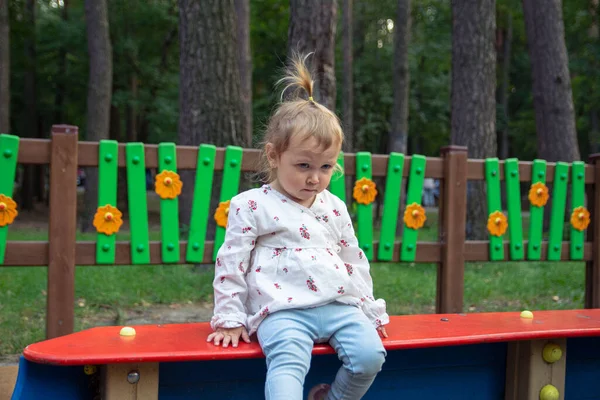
(154, 314)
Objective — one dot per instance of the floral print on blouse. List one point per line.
(279, 255)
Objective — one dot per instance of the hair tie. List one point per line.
(310, 98)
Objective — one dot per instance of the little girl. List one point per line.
(290, 268)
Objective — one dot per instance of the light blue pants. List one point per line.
(287, 338)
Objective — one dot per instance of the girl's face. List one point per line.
(304, 169)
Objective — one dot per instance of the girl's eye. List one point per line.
(303, 165)
(326, 166)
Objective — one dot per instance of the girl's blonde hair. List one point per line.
(299, 117)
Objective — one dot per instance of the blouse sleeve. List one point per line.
(231, 265)
(356, 262)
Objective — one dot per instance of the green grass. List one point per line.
(509, 286)
(408, 288)
(97, 290)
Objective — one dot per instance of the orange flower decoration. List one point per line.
(497, 223)
(8, 210)
(414, 216)
(580, 218)
(538, 194)
(108, 219)
(365, 191)
(222, 213)
(168, 184)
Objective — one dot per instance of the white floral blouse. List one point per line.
(278, 255)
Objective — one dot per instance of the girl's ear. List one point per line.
(271, 155)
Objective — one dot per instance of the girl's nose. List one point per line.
(313, 179)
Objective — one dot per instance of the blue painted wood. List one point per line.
(451, 373)
(583, 369)
(48, 382)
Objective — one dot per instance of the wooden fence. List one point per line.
(64, 153)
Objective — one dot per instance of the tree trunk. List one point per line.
(59, 99)
(473, 94)
(99, 94)
(211, 110)
(399, 124)
(594, 133)
(348, 89)
(30, 122)
(398, 138)
(312, 29)
(242, 9)
(4, 67)
(552, 97)
(506, 45)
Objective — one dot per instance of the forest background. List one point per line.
(408, 76)
(506, 78)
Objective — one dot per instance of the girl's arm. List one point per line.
(358, 266)
(230, 289)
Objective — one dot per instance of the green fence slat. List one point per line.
(201, 204)
(337, 185)
(169, 208)
(557, 215)
(108, 167)
(536, 214)
(138, 207)
(9, 152)
(414, 195)
(577, 200)
(364, 212)
(229, 188)
(515, 216)
(492, 177)
(391, 204)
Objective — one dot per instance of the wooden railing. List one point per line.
(64, 153)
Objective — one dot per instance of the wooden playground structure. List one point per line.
(450, 355)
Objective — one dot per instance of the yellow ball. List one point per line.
(552, 353)
(127, 331)
(526, 314)
(549, 392)
(89, 369)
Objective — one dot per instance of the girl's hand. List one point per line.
(231, 335)
(382, 331)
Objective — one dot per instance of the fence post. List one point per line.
(592, 269)
(62, 231)
(452, 219)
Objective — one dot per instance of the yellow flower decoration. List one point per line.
(365, 191)
(108, 219)
(538, 194)
(8, 210)
(222, 213)
(580, 218)
(168, 184)
(497, 223)
(414, 216)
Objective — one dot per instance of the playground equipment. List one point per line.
(485, 356)
(64, 154)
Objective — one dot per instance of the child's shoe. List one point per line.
(318, 392)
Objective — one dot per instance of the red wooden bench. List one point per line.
(153, 344)
(185, 342)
